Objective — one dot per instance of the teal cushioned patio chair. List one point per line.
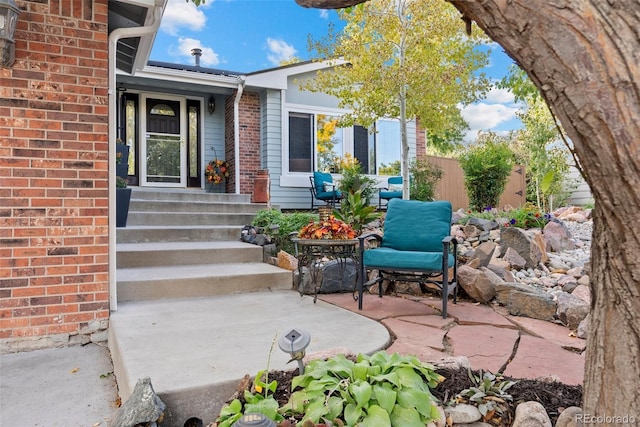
(393, 190)
(323, 189)
(416, 246)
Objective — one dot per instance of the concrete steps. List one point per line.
(186, 243)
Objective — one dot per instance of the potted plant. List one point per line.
(123, 198)
(122, 159)
(216, 172)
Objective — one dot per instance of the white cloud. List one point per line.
(208, 59)
(324, 14)
(500, 96)
(180, 14)
(487, 116)
(280, 51)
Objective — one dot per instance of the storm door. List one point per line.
(164, 157)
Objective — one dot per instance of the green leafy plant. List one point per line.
(355, 211)
(424, 178)
(121, 182)
(280, 225)
(377, 390)
(489, 393)
(486, 166)
(354, 180)
(259, 400)
(527, 216)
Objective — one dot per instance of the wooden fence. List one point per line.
(451, 185)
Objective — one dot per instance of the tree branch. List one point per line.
(329, 4)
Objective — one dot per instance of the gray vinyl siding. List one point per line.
(213, 132)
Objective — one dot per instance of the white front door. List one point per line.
(163, 148)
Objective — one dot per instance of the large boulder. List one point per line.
(571, 310)
(524, 300)
(479, 284)
(557, 237)
(521, 242)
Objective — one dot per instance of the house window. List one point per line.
(329, 143)
(386, 143)
(317, 143)
(300, 142)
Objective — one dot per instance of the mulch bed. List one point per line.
(554, 396)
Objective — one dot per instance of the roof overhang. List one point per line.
(277, 78)
(133, 53)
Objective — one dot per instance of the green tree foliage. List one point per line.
(486, 165)
(424, 178)
(538, 145)
(407, 59)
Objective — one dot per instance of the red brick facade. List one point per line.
(53, 173)
(249, 113)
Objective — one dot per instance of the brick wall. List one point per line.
(54, 287)
(249, 114)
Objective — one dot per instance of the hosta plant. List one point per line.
(378, 390)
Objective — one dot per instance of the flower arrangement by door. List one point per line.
(217, 170)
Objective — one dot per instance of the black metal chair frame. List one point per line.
(423, 277)
(334, 202)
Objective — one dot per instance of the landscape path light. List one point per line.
(295, 342)
(254, 420)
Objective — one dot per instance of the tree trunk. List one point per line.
(583, 55)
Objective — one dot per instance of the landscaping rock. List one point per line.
(520, 240)
(557, 237)
(583, 328)
(523, 300)
(531, 414)
(478, 284)
(483, 224)
(339, 276)
(569, 417)
(287, 261)
(583, 292)
(143, 406)
(462, 414)
(513, 258)
(571, 310)
(484, 253)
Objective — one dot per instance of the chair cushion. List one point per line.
(412, 225)
(391, 195)
(319, 179)
(328, 195)
(395, 187)
(383, 257)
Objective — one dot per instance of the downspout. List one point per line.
(116, 35)
(236, 132)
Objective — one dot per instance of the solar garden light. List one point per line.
(295, 342)
(254, 420)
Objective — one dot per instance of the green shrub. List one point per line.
(279, 225)
(424, 178)
(353, 180)
(486, 167)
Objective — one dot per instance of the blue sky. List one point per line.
(252, 35)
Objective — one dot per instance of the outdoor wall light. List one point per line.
(254, 420)
(9, 12)
(212, 104)
(295, 342)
